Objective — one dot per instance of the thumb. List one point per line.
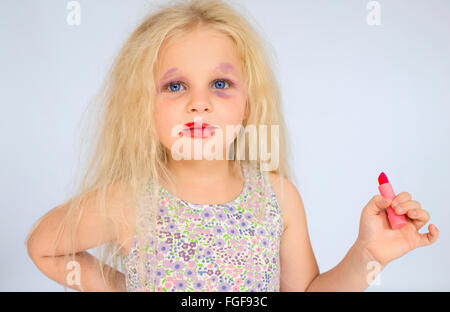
(377, 204)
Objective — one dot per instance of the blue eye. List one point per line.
(220, 83)
(175, 86)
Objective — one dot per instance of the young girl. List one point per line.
(181, 223)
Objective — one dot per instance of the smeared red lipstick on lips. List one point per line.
(199, 130)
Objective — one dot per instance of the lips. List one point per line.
(193, 130)
(192, 125)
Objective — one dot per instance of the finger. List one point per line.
(403, 207)
(400, 198)
(413, 211)
(419, 217)
(378, 204)
(430, 237)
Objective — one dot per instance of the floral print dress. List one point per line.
(217, 247)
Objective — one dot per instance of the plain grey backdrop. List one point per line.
(358, 99)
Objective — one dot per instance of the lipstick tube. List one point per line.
(396, 221)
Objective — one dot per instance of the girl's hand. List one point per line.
(382, 242)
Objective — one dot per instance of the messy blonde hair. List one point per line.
(126, 150)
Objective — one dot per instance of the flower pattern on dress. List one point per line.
(216, 247)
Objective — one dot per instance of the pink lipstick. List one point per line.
(386, 190)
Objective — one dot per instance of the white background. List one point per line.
(358, 100)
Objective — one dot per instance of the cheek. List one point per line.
(231, 115)
(163, 122)
(223, 95)
(232, 103)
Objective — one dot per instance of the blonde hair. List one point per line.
(126, 150)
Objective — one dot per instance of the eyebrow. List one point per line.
(223, 67)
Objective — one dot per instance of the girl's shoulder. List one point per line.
(124, 217)
(290, 201)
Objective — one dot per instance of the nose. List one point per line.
(199, 104)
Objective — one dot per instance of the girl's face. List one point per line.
(199, 76)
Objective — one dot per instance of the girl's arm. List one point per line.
(90, 275)
(299, 269)
(298, 264)
(353, 273)
(377, 244)
(40, 243)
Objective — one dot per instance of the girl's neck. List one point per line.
(204, 181)
(201, 172)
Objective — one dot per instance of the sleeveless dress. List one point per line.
(216, 247)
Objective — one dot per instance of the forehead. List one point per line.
(224, 68)
(198, 50)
